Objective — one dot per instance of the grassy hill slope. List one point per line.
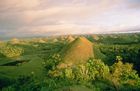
(77, 51)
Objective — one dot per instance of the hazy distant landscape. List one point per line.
(69, 45)
(103, 62)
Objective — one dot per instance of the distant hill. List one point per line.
(70, 39)
(78, 51)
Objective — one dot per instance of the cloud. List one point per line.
(68, 10)
(56, 30)
(20, 13)
(66, 16)
(134, 4)
(12, 13)
(17, 5)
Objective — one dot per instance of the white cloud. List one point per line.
(65, 16)
(15, 5)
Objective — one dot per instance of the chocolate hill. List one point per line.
(78, 51)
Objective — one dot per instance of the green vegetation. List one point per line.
(11, 51)
(71, 63)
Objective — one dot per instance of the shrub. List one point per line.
(98, 68)
(11, 51)
(52, 61)
(123, 74)
(92, 70)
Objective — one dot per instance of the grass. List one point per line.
(33, 53)
(75, 88)
(78, 51)
(32, 67)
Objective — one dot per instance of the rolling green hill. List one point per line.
(71, 63)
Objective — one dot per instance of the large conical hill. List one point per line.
(78, 51)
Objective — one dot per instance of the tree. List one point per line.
(119, 58)
(123, 74)
(94, 69)
(98, 68)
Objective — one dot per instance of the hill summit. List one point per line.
(78, 51)
(70, 39)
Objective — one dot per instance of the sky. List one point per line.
(57, 17)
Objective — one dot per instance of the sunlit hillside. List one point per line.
(71, 63)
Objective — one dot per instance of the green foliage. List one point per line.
(24, 83)
(119, 58)
(94, 74)
(94, 69)
(129, 53)
(122, 74)
(117, 38)
(117, 76)
(11, 51)
(69, 73)
(98, 68)
(52, 61)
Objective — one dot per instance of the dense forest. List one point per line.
(102, 62)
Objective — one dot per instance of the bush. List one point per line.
(123, 74)
(98, 68)
(52, 61)
(117, 76)
(11, 51)
(94, 69)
